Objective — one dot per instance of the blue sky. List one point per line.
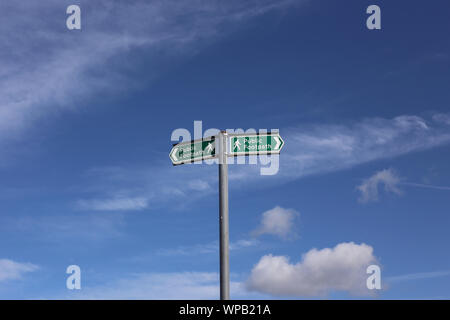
(86, 118)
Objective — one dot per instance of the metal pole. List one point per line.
(223, 219)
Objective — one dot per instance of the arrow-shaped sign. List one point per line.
(254, 144)
(195, 150)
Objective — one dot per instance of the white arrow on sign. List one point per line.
(278, 142)
(173, 154)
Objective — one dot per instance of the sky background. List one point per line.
(86, 118)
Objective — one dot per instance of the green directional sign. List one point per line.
(254, 144)
(195, 150)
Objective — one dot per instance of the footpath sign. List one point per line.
(196, 150)
(254, 144)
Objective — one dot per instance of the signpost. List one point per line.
(216, 147)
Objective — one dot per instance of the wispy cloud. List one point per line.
(118, 186)
(243, 243)
(54, 228)
(324, 148)
(47, 68)
(390, 181)
(177, 285)
(208, 248)
(12, 270)
(369, 188)
(427, 186)
(442, 118)
(418, 276)
(116, 204)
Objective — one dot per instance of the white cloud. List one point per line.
(342, 268)
(115, 204)
(177, 285)
(369, 188)
(11, 270)
(277, 221)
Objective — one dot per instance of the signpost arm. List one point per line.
(223, 219)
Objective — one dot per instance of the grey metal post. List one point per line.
(223, 219)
